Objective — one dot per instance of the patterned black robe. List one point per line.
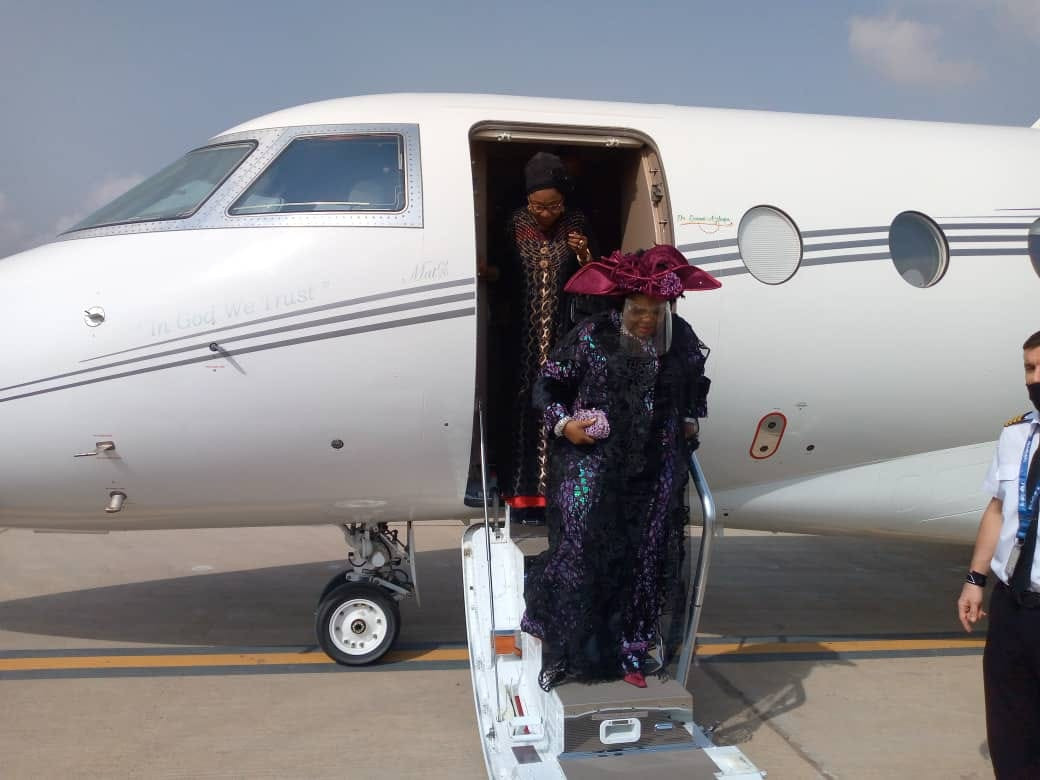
(540, 265)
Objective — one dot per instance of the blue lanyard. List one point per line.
(1026, 510)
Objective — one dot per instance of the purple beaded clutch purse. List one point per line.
(600, 429)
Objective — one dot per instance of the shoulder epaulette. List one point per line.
(1027, 417)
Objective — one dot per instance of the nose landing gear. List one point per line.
(358, 618)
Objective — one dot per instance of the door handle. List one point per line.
(101, 446)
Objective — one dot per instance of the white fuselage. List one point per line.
(326, 328)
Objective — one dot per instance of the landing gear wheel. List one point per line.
(357, 623)
(331, 585)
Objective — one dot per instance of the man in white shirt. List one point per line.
(1006, 546)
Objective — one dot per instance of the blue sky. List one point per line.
(96, 95)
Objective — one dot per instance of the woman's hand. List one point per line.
(574, 430)
(579, 244)
(691, 428)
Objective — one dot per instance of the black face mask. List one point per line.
(1034, 394)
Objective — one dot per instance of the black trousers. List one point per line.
(1011, 673)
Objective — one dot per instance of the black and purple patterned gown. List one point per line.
(541, 264)
(616, 509)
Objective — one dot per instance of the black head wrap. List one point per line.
(545, 171)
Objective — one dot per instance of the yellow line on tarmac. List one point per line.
(315, 657)
(844, 646)
(209, 660)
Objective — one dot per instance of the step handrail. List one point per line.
(487, 542)
(699, 580)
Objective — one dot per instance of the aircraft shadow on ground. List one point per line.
(777, 586)
(269, 607)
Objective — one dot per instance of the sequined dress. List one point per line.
(542, 264)
(616, 509)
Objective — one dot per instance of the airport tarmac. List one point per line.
(191, 654)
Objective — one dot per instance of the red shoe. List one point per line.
(636, 679)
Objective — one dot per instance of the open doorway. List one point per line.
(619, 184)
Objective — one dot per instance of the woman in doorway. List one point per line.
(621, 396)
(548, 242)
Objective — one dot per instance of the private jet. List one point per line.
(287, 325)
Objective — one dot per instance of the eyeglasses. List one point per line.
(546, 208)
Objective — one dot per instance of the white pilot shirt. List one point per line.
(1002, 483)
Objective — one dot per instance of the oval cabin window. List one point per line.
(770, 244)
(918, 248)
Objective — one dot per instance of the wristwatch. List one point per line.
(976, 579)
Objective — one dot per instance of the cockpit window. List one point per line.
(330, 173)
(175, 192)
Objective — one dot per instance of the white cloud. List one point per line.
(17, 236)
(1017, 19)
(907, 52)
(1022, 15)
(105, 192)
(12, 231)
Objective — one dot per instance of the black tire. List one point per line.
(332, 584)
(375, 624)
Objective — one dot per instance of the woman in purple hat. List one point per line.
(620, 397)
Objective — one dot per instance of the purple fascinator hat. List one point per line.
(662, 272)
